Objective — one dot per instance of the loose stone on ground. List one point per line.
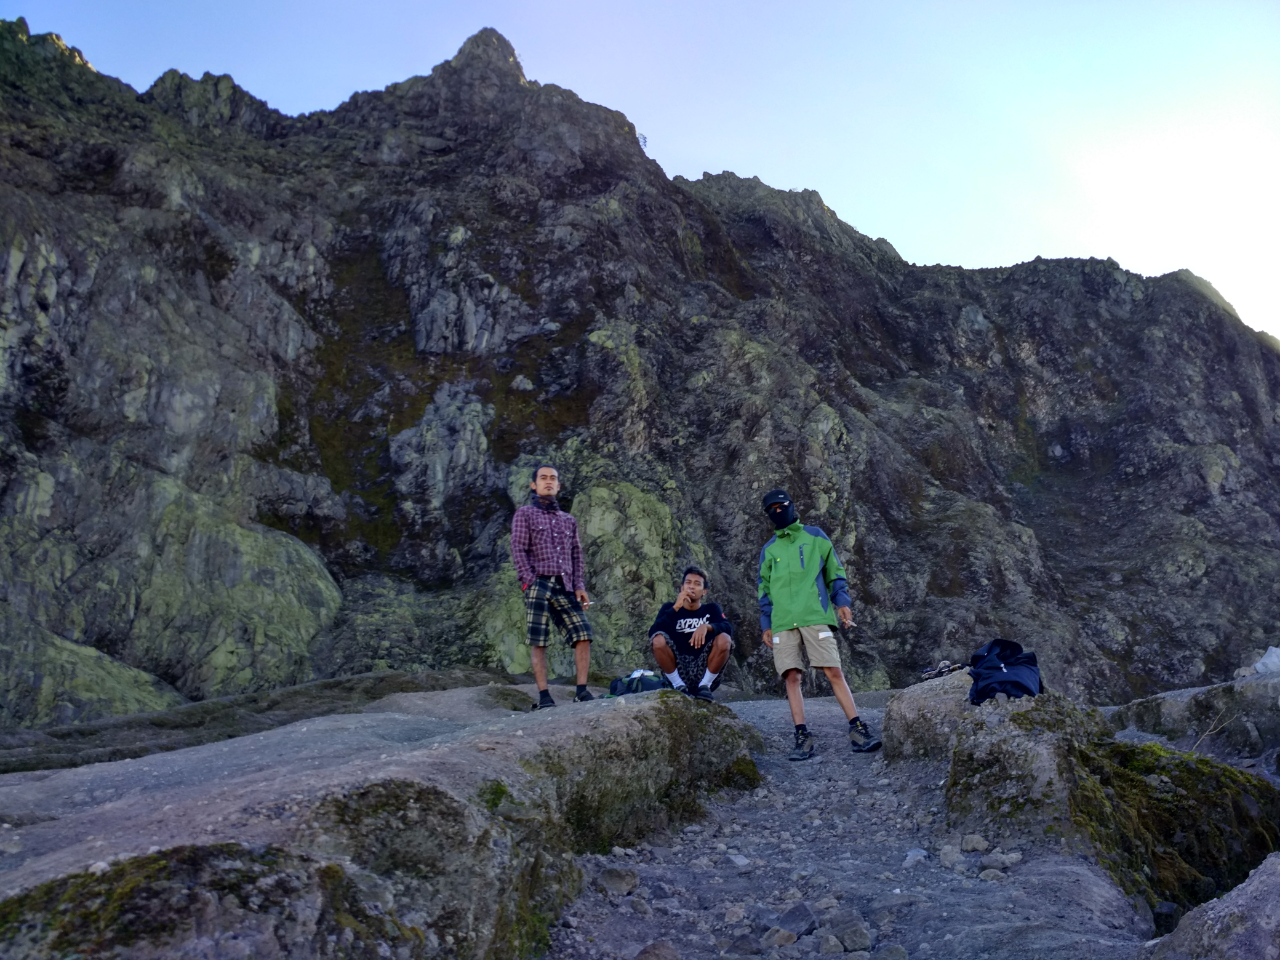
(848, 855)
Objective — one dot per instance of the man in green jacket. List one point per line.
(802, 591)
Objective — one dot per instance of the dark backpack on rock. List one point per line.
(620, 686)
(1002, 667)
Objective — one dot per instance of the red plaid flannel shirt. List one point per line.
(544, 542)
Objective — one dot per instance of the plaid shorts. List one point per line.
(547, 600)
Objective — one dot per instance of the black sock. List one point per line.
(544, 696)
(801, 728)
(582, 688)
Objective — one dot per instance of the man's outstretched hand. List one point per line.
(846, 617)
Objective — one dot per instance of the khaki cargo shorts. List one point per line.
(818, 642)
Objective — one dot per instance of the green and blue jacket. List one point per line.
(802, 581)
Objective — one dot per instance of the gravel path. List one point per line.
(840, 854)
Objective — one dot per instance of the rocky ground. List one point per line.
(192, 724)
(431, 823)
(446, 822)
(842, 854)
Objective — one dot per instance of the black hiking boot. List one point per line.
(861, 738)
(583, 697)
(804, 746)
(705, 694)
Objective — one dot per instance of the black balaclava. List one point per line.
(781, 518)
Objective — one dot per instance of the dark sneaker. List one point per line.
(803, 748)
(546, 704)
(704, 693)
(861, 738)
(583, 697)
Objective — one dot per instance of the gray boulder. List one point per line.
(1169, 826)
(416, 832)
(921, 721)
(618, 881)
(1243, 924)
(1017, 775)
(851, 930)
(658, 950)
(1242, 716)
(798, 919)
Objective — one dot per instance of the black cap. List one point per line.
(773, 497)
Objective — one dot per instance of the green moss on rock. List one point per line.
(46, 679)
(362, 931)
(492, 794)
(467, 872)
(1166, 825)
(624, 790)
(1170, 825)
(630, 541)
(164, 899)
(741, 774)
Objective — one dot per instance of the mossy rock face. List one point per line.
(1170, 825)
(195, 597)
(390, 623)
(630, 544)
(1166, 825)
(262, 899)
(498, 608)
(489, 877)
(387, 305)
(626, 789)
(45, 679)
(1011, 764)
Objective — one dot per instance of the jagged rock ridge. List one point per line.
(269, 387)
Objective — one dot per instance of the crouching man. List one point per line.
(690, 638)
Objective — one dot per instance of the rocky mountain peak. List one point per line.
(47, 45)
(1203, 287)
(213, 103)
(488, 50)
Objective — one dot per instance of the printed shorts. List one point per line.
(547, 600)
(691, 664)
(819, 642)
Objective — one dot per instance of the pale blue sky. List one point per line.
(971, 133)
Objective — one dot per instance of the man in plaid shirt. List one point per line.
(548, 559)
